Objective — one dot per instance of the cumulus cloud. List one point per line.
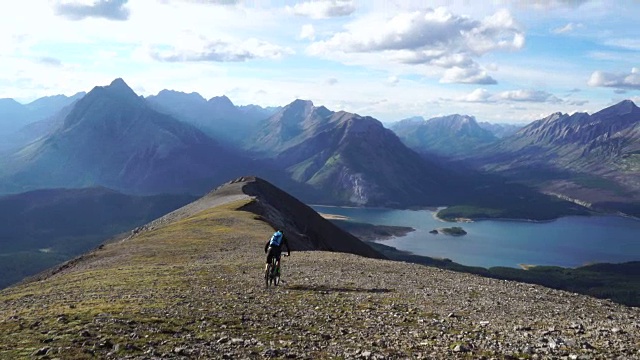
(222, 51)
(471, 75)
(307, 32)
(107, 9)
(570, 27)
(433, 37)
(616, 80)
(529, 96)
(478, 95)
(323, 9)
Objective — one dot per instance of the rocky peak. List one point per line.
(194, 96)
(622, 108)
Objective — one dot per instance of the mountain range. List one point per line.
(593, 159)
(218, 117)
(16, 119)
(452, 135)
(113, 138)
(352, 159)
(182, 143)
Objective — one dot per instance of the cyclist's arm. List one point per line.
(266, 247)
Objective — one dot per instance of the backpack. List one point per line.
(276, 239)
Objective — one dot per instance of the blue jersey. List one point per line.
(276, 239)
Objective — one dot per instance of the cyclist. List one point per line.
(273, 248)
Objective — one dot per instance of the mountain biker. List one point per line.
(273, 248)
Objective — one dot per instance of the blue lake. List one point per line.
(568, 241)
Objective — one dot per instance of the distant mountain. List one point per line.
(353, 159)
(591, 158)
(16, 119)
(42, 228)
(112, 138)
(445, 136)
(217, 117)
(500, 130)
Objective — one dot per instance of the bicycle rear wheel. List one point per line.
(267, 276)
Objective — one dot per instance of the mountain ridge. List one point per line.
(193, 287)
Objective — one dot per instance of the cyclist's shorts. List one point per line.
(273, 251)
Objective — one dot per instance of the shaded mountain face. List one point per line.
(41, 228)
(304, 228)
(352, 159)
(112, 138)
(445, 136)
(16, 118)
(594, 158)
(218, 117)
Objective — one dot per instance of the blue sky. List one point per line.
(501, 61)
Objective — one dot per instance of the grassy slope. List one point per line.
(131, 280)
(194, 289)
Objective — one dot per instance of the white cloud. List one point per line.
(471, 75)
(433, 37)
(625, 43)
(307, 32)
(221, 51)
(392, 80)
(107, 9)
(323, 9)
(529, 96)
(568, 28)
(617, 80)
(478, 95)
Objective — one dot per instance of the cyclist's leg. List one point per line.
(277, 255)
(269, 256)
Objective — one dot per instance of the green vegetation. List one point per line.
(618, 282)
(455, 231)
(43, 228)
(469, 212)
(146, 282)
(595, 182)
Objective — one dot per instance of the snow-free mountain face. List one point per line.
(15, 118)
(500, 130)
(593, 158)
(351, 158)
(111, 137)
(218, 117)
(445, 136)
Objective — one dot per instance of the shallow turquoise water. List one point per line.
(569, 241)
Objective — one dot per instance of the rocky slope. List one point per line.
(111, 137)
(192, 287)
(353, 159)
(593, 159)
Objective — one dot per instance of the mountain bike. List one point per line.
(272, 275)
